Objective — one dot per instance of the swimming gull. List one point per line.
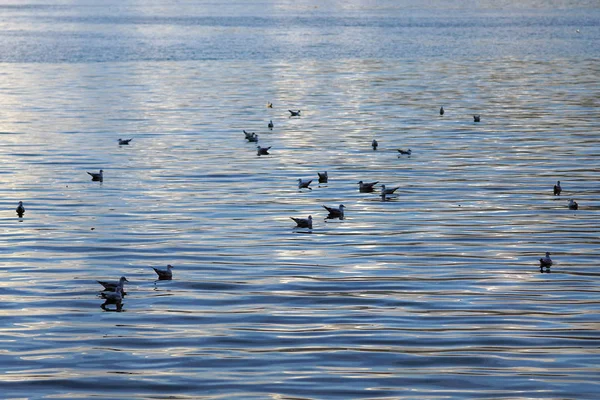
(294, 113)
(96, 176)
(112, 285)
(253, 138)
(304, 184)
(303, 222)
(270, 125)
(323, 177)
(124, 141)
(262, 151)
(545, 261)
(476, 118)
(269, 105)
(374, 144)
(573, 205)
(20, 209)
(164, 274)
(442, 110)
(115, 298)
(366, 187)
(557, 189)
(405, 152)
(335, 212)
(385, 191)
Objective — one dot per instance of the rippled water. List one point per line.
(433, 294)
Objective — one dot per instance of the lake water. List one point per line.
(433, 294)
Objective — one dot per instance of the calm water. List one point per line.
(435, 294)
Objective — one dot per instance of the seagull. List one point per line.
(253, 138)
(405, 152)
(113, 285)
(96, 176)
(249, 134)
(20, 209)
(366, 187)
(573, 205)
(374, 144)
(545, 261)
(164, 274)
(262, 151)
(476, 118)
(124, 141)
(270, 124)
(335, 212)
(303, 222)
(385, 191)
(269, 105)
(323, 177)
(115, 298)
(294, 113)
(557, 189)
(442, 110)
(304, 184)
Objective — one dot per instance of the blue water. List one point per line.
(433, 294)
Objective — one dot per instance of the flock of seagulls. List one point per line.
(113, 292)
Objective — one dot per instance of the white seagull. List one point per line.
(112, 285)
(573, 205)
(545, 261)
(262, 151)
(557, 189)
(323, 177)
(303, 222)
(335, 212)
(304, 184)
(366, 187)
(164, 274)
(96, 176)
(115, 298)
(20, 209)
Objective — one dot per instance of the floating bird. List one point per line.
(20, 209)
(262, 151)
(124, 141)
(253, 138)
(476, 118)
(164, 274)
(366, 187)
(374, 144)
(294, 113)
(269, 105)
(557, 189)
(442, 110)
(573, 205)
(304, 184)
(303, 222)
(112, 285)
(323, 177)
(405, 152)
(115, 298)
(248, 134)
(385, 191)
(96, 176)
(545, 261)
(270, 125)
(577, 30)
(335, 212)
